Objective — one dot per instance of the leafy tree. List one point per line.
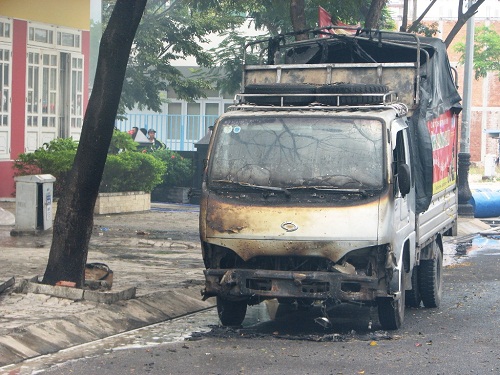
(486, 52)
(169, 32)
(274, 17)
(461, 20)
(74, 218)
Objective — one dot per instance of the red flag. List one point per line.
(324, 19)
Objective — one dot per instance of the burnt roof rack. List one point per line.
(400, 108)
(337, 99)
(331, 35)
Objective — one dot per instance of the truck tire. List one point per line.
(350, 88)
(280, 88)
(430, 281)
(391, 312)
(231, 313)
(412, 297)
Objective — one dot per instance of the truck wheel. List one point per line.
(430, 281)
(391, 312)
(231, 313)
(351, 88)
(412, 297)
(280, 88)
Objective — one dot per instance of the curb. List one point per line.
(76, 294)
(105, 320)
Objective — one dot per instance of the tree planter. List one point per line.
(171, 194)
(115, 203)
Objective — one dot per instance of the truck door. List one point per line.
(404, 219)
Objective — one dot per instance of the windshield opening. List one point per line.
(299, 152)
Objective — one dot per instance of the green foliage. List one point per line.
(124, 171)
(229, 54)
(168, 32)
(55, 158)
(131, 171)
(429, 30)
(173, 31)
(486, 52)
(179, 170)
(121, 141)
(272, 17)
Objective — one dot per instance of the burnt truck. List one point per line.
(333, 177)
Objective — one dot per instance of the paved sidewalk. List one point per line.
(157, 252)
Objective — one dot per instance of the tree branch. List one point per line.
(462, 19)
(415, 24)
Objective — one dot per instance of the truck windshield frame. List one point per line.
(290, 152)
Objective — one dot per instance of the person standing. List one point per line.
(133, 131)
(155, 143)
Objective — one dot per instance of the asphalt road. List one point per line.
(461, 337)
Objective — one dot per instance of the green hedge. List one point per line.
(125, 169)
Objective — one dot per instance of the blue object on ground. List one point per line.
(486, 202)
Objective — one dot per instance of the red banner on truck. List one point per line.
(443, 131)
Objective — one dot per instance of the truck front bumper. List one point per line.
(266, 284)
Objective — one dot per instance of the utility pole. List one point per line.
(464, 194)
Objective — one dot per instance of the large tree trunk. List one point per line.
(75, 211)
(373, 16)
(298, 17)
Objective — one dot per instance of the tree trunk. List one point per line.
(298, 17)
(373, 16)
(404, 23)
(75, 211)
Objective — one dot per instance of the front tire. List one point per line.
(431, 282)
(391, 312)
(231, 313)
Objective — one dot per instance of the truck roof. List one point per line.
(383, 112)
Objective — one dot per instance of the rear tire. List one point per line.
(412, 297)
(391, 312)
(351, 88)
(430, 280)
(280, 88)
(231, 313)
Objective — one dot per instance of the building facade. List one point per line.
(44, 59)
(180, 124)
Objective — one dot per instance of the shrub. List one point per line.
(179, 171)
(125, 170)
(55, 158)
(131, 171)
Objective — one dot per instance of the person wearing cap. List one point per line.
(155, 143)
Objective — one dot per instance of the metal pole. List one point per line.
(464, 193)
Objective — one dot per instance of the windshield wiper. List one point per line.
(331, 188)
(260, 187)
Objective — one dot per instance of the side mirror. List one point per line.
(404, 179)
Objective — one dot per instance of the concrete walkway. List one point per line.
(155, 254)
